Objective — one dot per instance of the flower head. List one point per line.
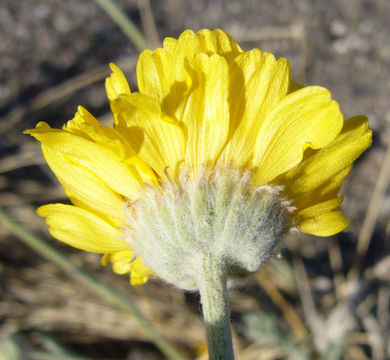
(218, 152)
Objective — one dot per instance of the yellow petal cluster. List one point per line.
(201, 102)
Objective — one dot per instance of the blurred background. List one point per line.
(325, 298)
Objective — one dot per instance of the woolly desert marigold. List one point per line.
(218, 152)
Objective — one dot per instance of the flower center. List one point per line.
(222, 214)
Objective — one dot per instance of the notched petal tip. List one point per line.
(82, 117)
(38, 128)
(117, 83)
(114, 68)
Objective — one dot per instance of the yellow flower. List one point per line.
(206, 110)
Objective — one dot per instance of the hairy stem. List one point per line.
(216, 315)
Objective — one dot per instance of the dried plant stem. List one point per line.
(61, 91)
(370, 218)
(148, 23)
(299, 329)
(216, 314)
(124, 23)
(94, 284)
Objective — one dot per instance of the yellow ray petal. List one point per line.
(324, 219)
(144, 170)
(116, 84)
(162, 74)
(210, 42)
(108, 138)
(294, 86)
(258, 83)
(114, 221)
(326, 191)
(157, 139)
(120, 261)
(100, 160)
(87, 126)
(81, 229)
(329, 165)
(305, 118)
(82, 116)
(206, 112)
(156, 74)
(82, 184)
(139, 272)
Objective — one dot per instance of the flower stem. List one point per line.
(216, 315)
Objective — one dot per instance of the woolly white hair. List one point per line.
(221, 215)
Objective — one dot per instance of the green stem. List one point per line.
(213, 294)
(94, 284)
(124, 23)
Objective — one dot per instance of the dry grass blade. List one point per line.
(356, 353)
(370, 219)
(124, 23)
(336, 262)
(383, 315)
(375, 337)
(148, 23)
(79, 312)
(61, 91)
(289, 313)
(28, 154)
(306, 296)
(260, 352)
